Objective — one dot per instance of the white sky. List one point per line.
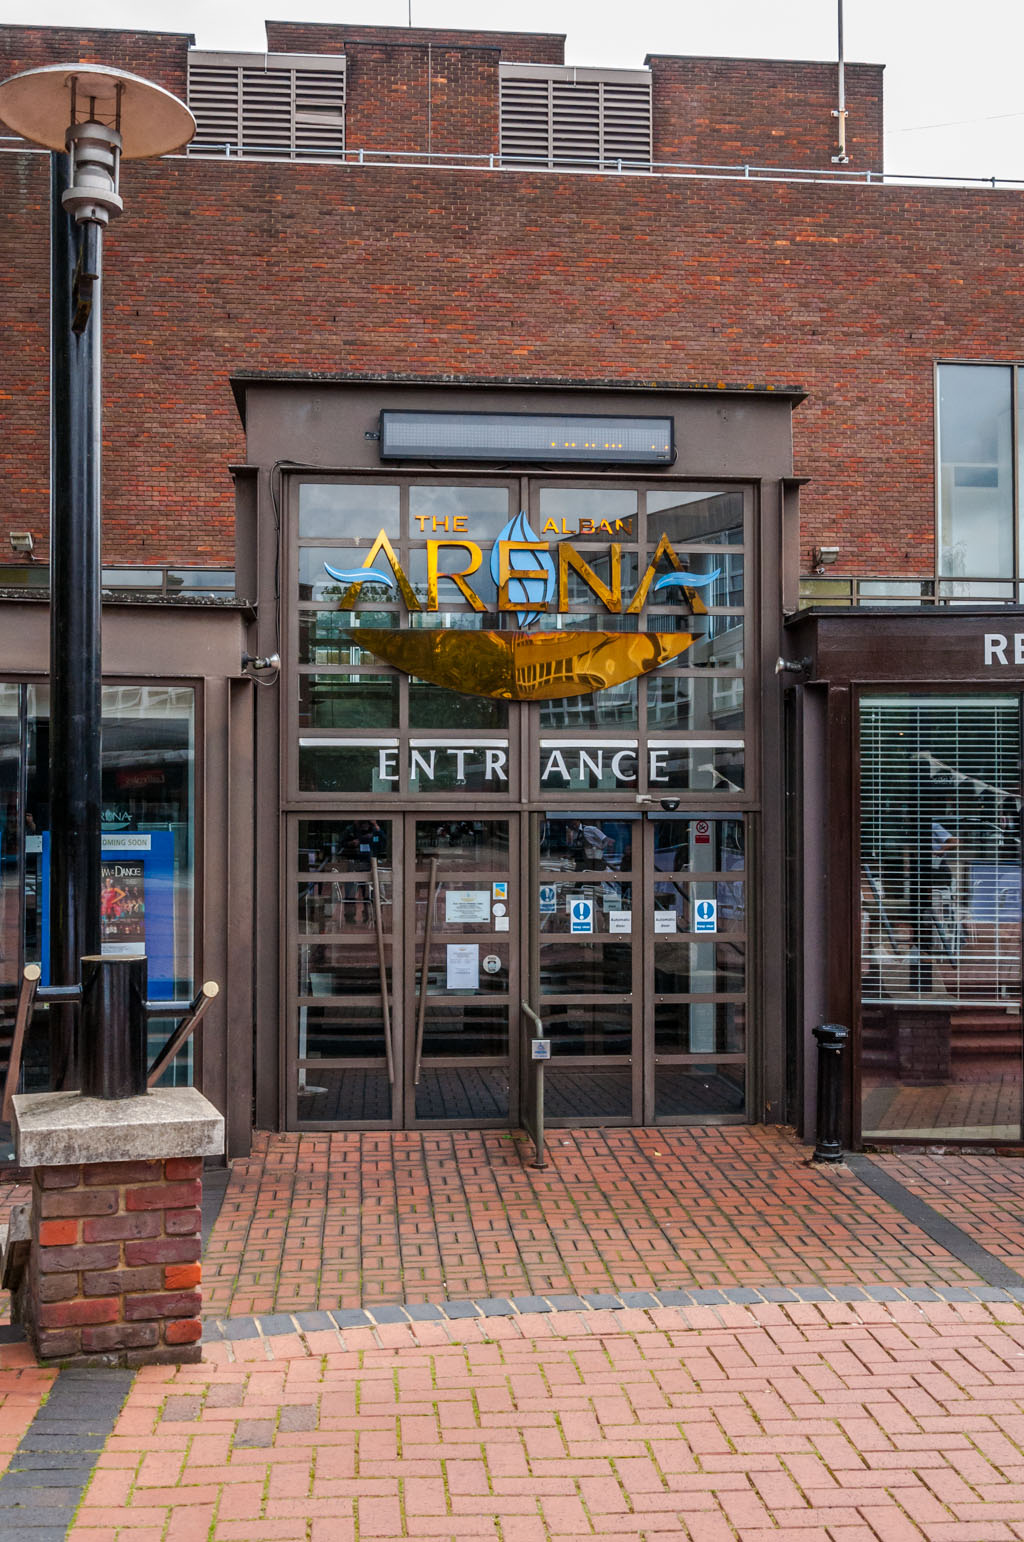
(954, 102)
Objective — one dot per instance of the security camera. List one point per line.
(669, 804)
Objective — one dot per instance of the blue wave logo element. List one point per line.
(361, 576)
(685, 580)
(524, 590)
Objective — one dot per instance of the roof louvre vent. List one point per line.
(268, 106)
(559, 116)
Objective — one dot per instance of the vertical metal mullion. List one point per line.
(20, 806)
(643, 1035)
(1020, 928)
(404, 557)
(1015, 479)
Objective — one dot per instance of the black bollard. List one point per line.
(112, 1050)
(832, 1040)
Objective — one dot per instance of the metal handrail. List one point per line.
(421, 1005)
(535, 1092)
(26, 1000)
(382, 964)
(872, 177)
(31, 995)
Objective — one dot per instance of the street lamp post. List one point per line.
(100, 117)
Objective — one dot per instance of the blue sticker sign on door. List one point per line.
(581, 915)
(706, 916)
(548, 899)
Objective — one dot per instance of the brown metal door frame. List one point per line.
(413, 952)
(293, 1009)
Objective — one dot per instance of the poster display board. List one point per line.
(136, 905)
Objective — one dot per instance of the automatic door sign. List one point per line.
(548, 899)
(705, 916)
(581, 915)
(540, 1049)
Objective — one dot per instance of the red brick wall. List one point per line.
(114, 1267)
(439, 99)
(763, 112)
(293, 37)
(159, 56)
(851, 291)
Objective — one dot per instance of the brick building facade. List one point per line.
(448, 244)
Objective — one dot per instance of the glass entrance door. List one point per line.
(639, 964)
(404, 952)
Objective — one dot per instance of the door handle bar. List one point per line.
(382, 963)
(428, 934)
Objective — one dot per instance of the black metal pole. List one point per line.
(75, 681)
(831, 1038)
(114, 1023)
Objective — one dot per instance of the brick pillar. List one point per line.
(112, 1272)
(115, 1260)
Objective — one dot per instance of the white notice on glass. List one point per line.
(664, 920)
(620, 920)
(463, 966)
(467, 905)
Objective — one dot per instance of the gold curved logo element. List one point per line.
(524, 666)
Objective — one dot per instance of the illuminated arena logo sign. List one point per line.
(530, 582)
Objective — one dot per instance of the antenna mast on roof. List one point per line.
(839, 113)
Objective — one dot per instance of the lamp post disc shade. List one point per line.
(37, 105)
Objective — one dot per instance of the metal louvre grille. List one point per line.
(565, 117)
(940, 824)
(267, 106)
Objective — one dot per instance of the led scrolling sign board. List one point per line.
(521, 665)
(522, 436)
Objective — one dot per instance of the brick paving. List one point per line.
(23, 1387)
(877, 1412)
(354, 1219)
(827, 1422)
(983, 1195)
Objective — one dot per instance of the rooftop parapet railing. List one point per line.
(578, 166)
(150, 582)
(905, 592)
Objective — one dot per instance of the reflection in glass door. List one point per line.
(462, 921)
(696, 924)
(379, 1038)
(587, 965)
(640, 960)
(346, 962)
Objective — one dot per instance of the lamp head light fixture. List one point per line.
(100, 116)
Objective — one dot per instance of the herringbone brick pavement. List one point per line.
(830, 1422)
(346, 1220)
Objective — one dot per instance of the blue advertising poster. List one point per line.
(137, 904)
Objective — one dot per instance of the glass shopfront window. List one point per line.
(980, 459)
(940, 887)
(148, 845)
